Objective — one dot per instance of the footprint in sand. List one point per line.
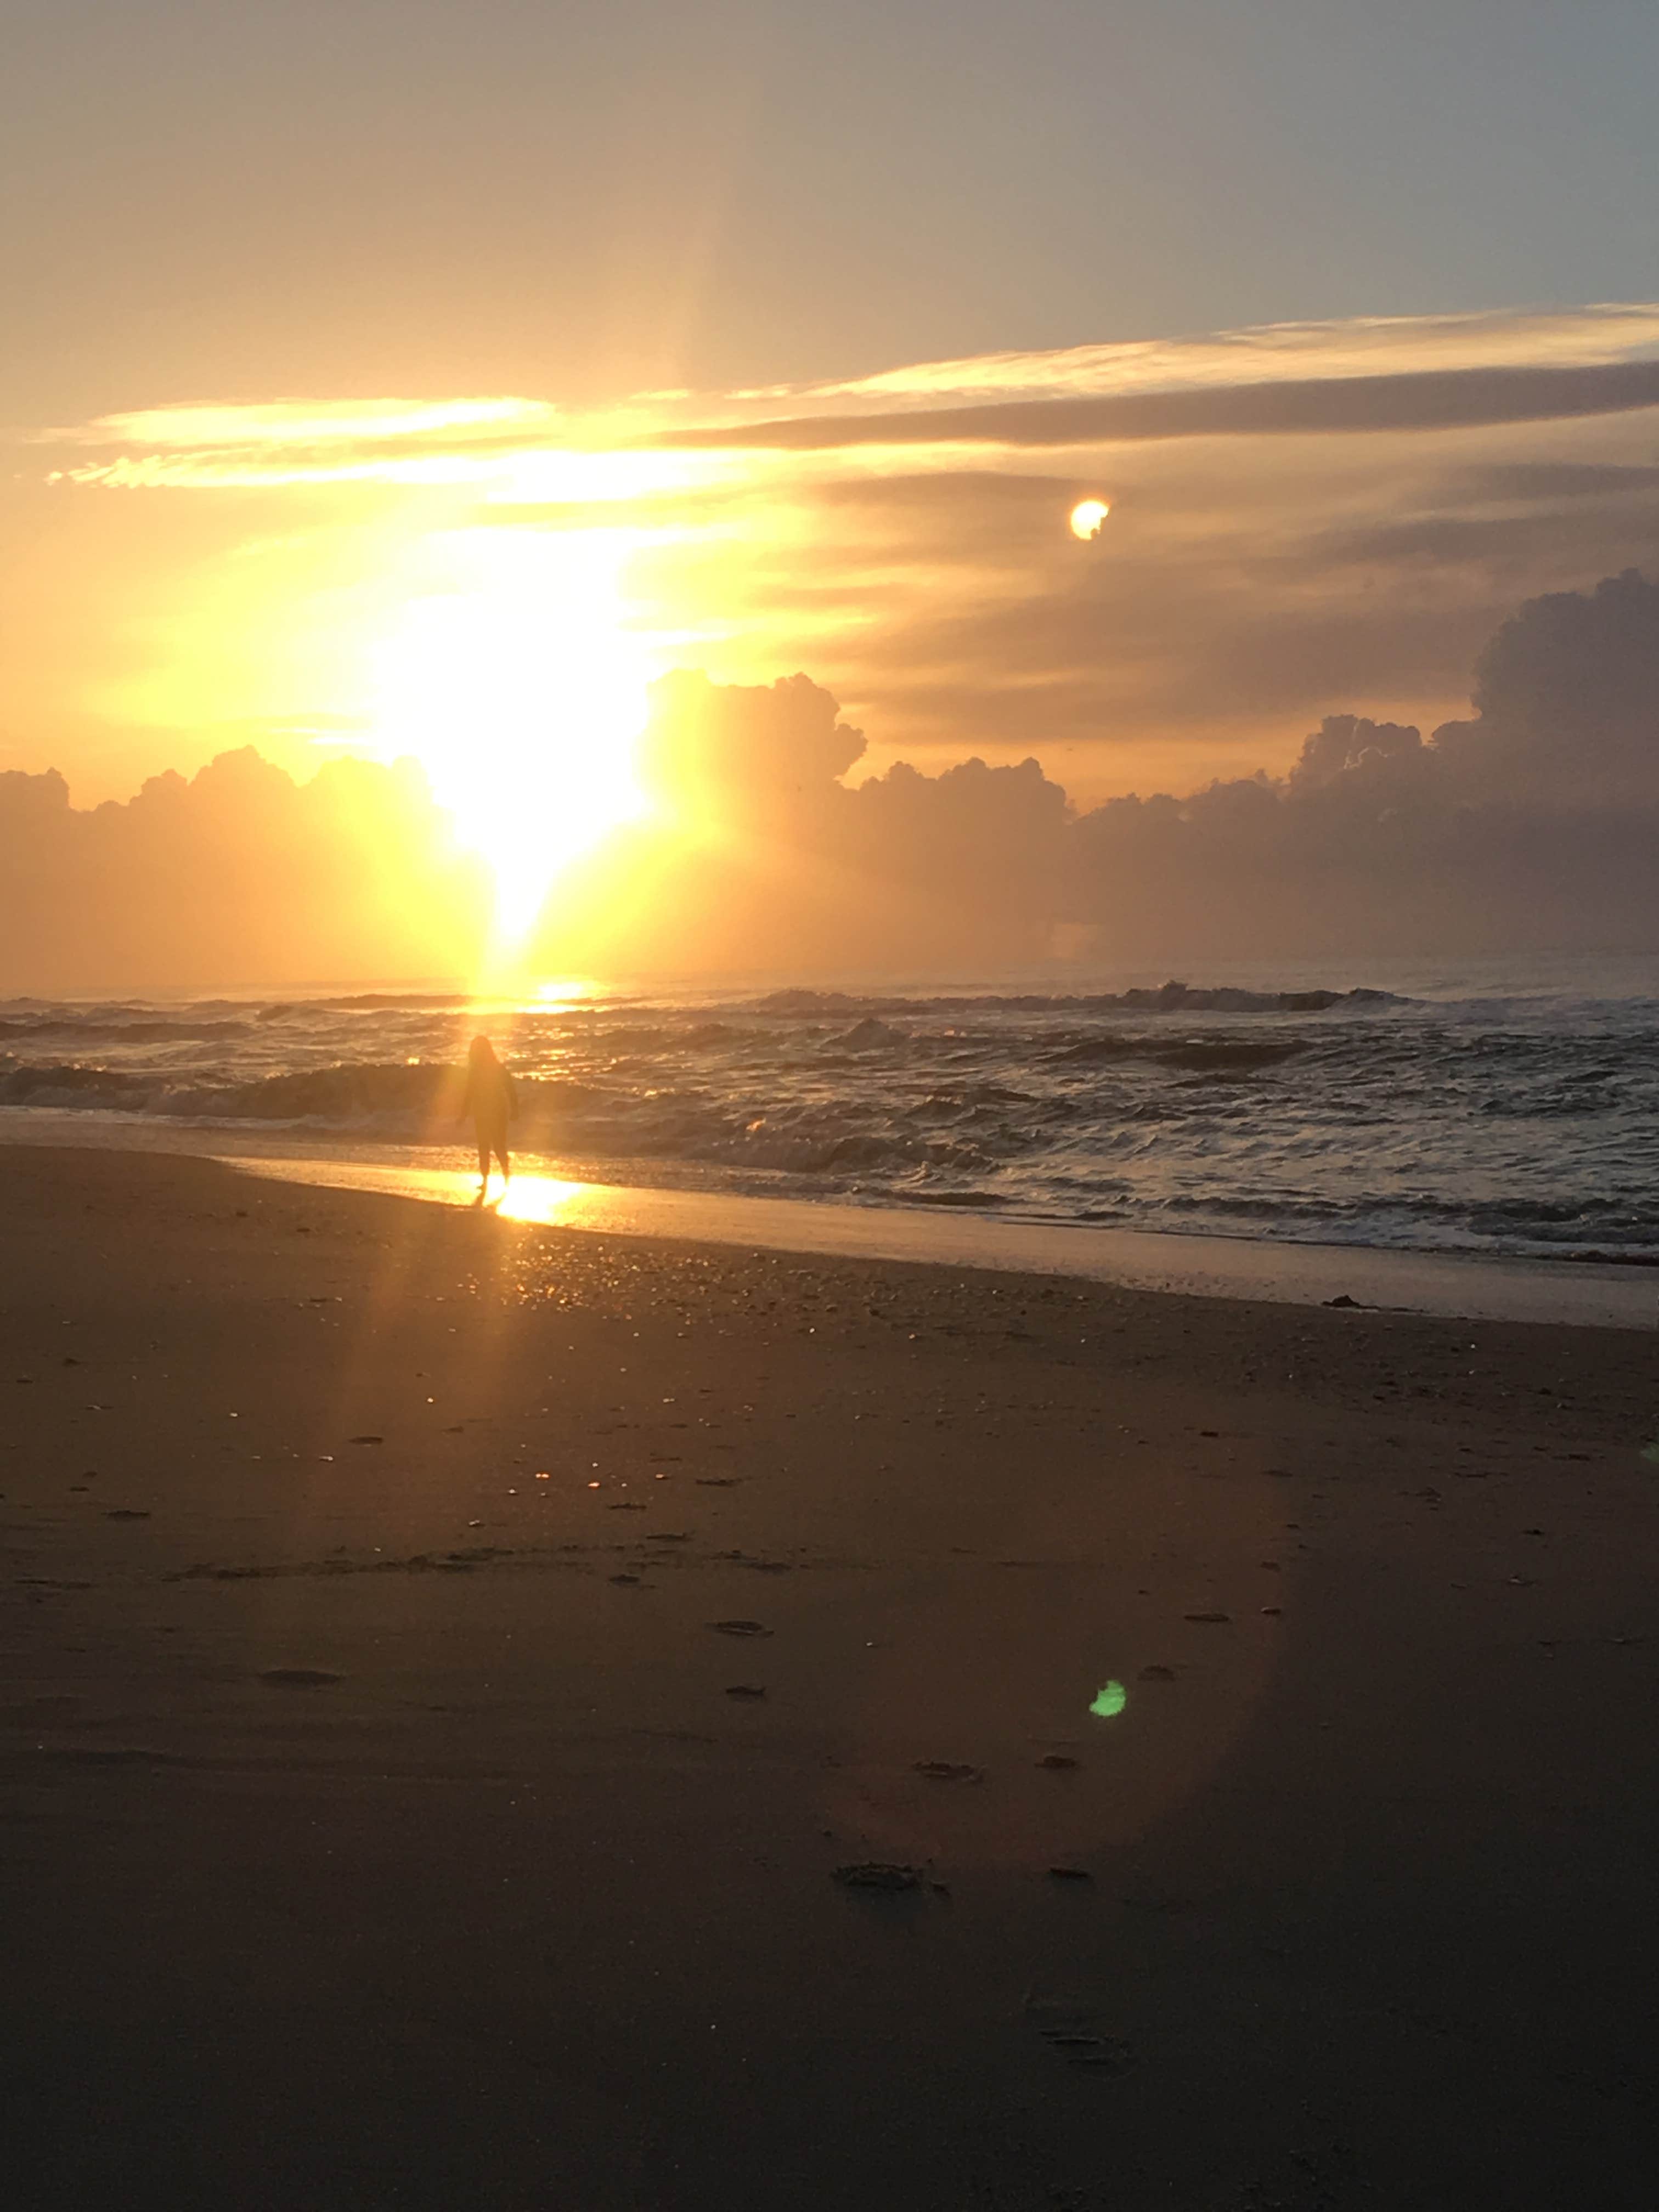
(1075, 2031)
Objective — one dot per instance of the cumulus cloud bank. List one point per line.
(1533, 823)
(239, 874)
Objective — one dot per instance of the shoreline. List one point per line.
(1474, 1287)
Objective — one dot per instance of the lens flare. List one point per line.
(1087, 517)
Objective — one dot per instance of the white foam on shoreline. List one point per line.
(1475, 1288)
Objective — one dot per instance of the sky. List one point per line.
(332, 198)
(427, 378)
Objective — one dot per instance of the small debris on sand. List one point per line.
(1077, 2030)
(745, 1689)
(738, 1628)
(364, 1440)
(1156, 1675)
(1107, 2054)
(1056, 1762)
(945, 1770)
(876, 1874)
(1069, 1874)
(1216, 1616)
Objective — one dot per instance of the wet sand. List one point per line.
(452, 1666)
(1588, 1290)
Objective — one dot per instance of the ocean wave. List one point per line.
(70, 1085)
(374, 1001)
(1525, 1127)
(1167, 999)
(118, 1029)
(1205, 1055)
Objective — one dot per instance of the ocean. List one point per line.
(1497, 1107)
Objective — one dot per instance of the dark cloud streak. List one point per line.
(1429, 399)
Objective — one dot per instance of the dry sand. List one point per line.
(382, 1825)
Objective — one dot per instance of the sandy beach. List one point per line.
(502, 1716)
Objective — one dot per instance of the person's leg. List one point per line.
(483, 1166)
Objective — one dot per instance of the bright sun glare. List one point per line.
(1087, 516)
(522, 692)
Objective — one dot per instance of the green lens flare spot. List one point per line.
(1651, 1454)
(1109, 1701)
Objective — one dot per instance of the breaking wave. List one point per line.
(1517, 1119)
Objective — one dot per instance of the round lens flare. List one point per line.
(1087, 516)
(1109, 1701)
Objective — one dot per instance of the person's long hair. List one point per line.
(481, 1054)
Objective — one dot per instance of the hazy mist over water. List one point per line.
(1493, 1106)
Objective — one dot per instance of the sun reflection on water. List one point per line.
(539, 1197)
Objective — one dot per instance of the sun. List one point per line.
(521, 692)
(1088, 515)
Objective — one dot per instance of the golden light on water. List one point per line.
(539, 1198)
(1088, 515)
(567, 991)
(521, 692)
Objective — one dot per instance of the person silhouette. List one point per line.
(492, 1101)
